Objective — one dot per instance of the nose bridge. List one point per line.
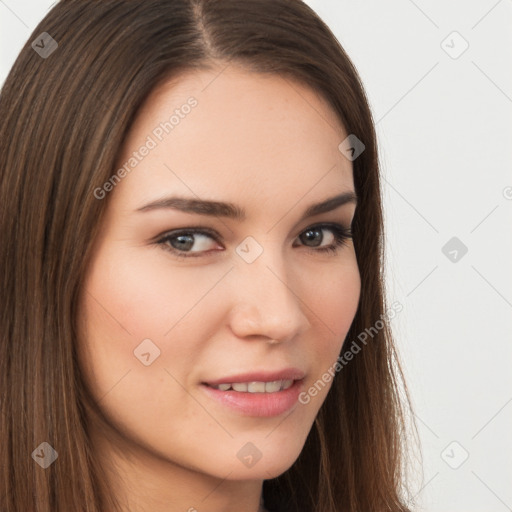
(266, 302)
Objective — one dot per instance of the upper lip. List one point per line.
(260, 376)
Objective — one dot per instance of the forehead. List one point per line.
(237, 134)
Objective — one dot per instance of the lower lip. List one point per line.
(257, 404)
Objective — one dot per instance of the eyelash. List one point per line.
(341, 235)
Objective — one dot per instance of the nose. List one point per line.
(264, 302)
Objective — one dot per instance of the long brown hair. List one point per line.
(64, 116)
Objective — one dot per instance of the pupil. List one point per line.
(184, 241)
(311, 234)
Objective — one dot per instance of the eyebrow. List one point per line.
(233, 211)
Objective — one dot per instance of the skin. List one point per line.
(269, 145)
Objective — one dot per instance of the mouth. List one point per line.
(260, 394)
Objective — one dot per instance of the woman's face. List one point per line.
(176, 301)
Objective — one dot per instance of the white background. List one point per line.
(445, 140)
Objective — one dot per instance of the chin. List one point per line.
(264, 456)
(267, 469)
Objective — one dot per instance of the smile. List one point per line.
(257, 398)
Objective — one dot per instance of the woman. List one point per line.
(194, 314)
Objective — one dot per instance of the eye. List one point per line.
(181, 242)
(339, 237)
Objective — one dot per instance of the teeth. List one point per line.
(272, 387)
(287, 384)
(256, 387)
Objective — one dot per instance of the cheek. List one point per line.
(334, 299)
(334, 302)
(135, 298)
(127, 302)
